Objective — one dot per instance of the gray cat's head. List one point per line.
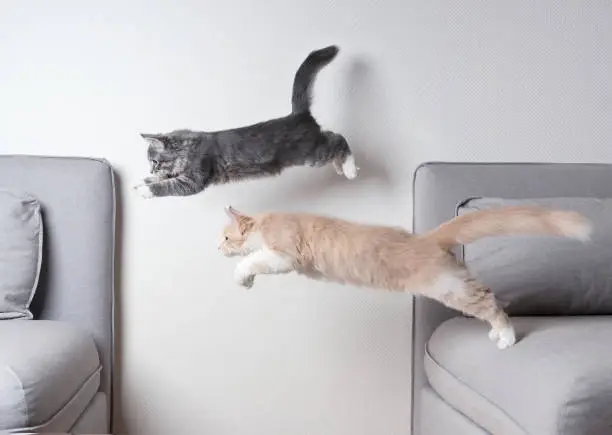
(166, 154)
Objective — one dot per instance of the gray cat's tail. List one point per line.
(305, 76)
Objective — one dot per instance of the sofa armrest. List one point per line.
(77, 277)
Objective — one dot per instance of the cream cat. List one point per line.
(390, 258)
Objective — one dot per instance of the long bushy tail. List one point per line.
(305, 77)
(510, 220)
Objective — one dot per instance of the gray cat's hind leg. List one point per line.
(344, 160)
(337, 163)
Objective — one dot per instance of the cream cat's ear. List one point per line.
(232, 213)
(236, 216)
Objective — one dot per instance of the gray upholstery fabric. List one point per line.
(93, 420)
(438, 188)
(78, 206)
(48, 377)
(21, 233)
(439, 418)
(547, 275)
(557, 380)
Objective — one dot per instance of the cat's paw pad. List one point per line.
(507, 338)
(243, 277)
(249, 281)
(245, 280)
(349, 169)
(144, 191)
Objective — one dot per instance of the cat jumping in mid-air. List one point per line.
(390, 258)
(185, 162)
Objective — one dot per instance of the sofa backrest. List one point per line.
(438, 188)
(78, 207)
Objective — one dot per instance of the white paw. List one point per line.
(349, 169)
(507, 338)
(493, 335)
(144, 191)
(338, 168)
(244, 278)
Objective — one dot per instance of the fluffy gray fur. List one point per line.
(185, 162)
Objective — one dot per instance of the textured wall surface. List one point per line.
(416, 80)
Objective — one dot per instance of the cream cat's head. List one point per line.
(239, 236)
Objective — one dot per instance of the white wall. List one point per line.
(415, 81)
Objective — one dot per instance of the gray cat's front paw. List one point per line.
(150, 180)
(144, 191)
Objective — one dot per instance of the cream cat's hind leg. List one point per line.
(504, 337)
(264, 261)
(461, 292)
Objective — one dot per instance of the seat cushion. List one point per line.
(557, 379)
(49, 372)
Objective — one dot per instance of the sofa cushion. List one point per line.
(20, 253)
(557, 380)
(535, 275)
(49, 372)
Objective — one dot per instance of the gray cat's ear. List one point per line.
(153, 140)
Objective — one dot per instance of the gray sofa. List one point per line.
(558, 378)
(56, 371)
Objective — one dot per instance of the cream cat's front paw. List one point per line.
(246, 280)
(243, 277)
(144, 191)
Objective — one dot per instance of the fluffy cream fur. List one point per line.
(390, 258)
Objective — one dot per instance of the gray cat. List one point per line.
(185, 162)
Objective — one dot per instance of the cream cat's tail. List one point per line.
(510, 220)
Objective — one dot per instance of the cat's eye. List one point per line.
(155, 162)
(226, 238)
